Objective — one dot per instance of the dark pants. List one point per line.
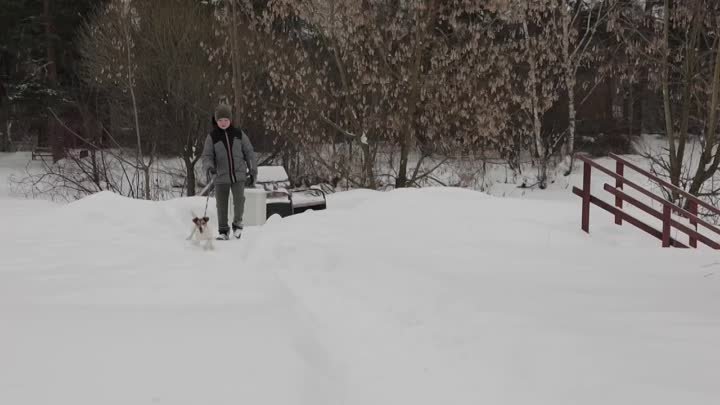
(222, 196)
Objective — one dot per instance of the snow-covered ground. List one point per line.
(431, 296)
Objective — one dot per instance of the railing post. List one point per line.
(693, 208)
(586, 197)
(619, 169)
(666, 225)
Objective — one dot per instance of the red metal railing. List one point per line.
(668, 208)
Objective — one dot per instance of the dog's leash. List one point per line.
(207, 200)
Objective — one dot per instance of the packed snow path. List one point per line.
(435, 296)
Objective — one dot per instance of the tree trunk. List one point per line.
(190, 179)
(533, 84)
(669, 126)
(5, 141)
(92, 132)
(235, 50)
(688, 82)
(140, 157)
(706, 169)
(408, 135)
(570, 150)
(631, 110)
(570, 83)
(54, 135)
(146, 172)
(368, 161)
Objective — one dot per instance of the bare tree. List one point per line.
(77, 175)
(419, 77)
(183, 73)
(532, 42)
(54, 135)
(678, 44)
(162, 65)
(581, 22)
(108, 46)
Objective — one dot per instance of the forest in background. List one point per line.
(371, 93)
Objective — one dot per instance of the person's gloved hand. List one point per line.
(250, 181)
(211, 172)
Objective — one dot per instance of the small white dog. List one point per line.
(201, 232)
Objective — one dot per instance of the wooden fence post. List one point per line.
(619, 169)
(693, 208)
(586, 197)
(666, 225)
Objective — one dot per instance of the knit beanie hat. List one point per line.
(223, 111)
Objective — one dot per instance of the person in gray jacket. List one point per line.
(229, 156)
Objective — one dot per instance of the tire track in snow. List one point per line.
(260, 252)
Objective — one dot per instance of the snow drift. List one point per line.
(406, 297)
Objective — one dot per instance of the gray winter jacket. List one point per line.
(231, 167)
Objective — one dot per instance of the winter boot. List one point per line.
(223, 235)
(237, 232)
